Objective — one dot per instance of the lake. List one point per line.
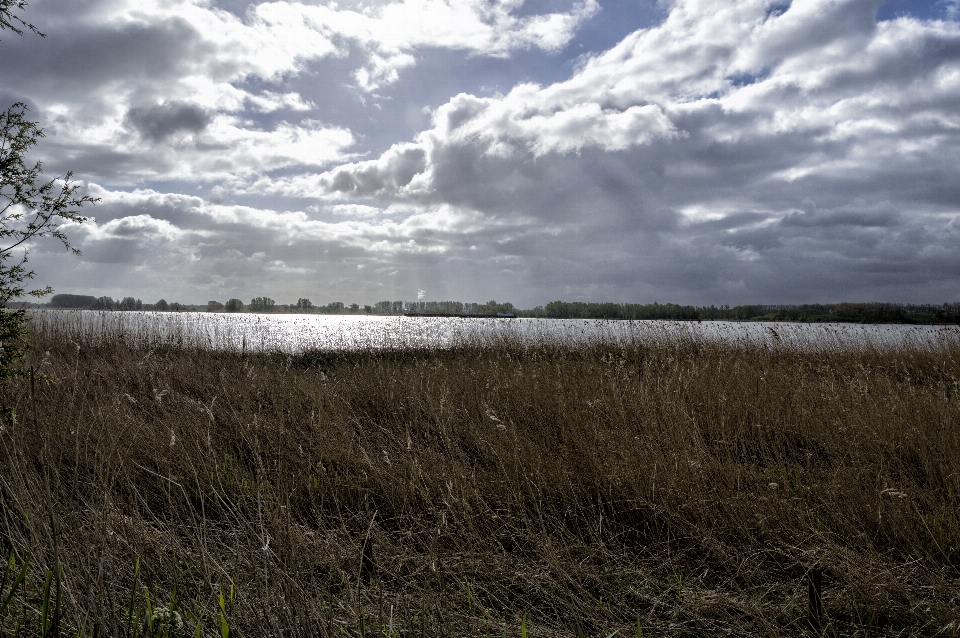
(291, 333)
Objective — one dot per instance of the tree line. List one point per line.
(268, 305)
(839, 312)
(89, 302)
(947, 313)
(255, 305)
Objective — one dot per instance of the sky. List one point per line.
(685, 151)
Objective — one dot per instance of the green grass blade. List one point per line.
(224, 626)
(13, 588)
(45, 608)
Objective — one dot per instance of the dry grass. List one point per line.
(682, 485)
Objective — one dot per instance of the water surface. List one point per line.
(292, 333)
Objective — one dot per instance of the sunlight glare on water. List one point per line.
(297, 333)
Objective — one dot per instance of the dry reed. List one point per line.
(671, 486)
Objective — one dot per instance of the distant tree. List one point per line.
(492, 308)
(354, 307)
(177, 307)
(129, 303)
(214, 306)
(72, 301)
(262, 304)
(304, 305)
(161, 305)
(104, 303)
(368, 309)
(233, 305)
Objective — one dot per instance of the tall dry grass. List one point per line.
(674, 486)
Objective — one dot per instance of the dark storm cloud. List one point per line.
(157, 122)
(86, 58)
(885, 217)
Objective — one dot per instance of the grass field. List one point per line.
(662, 485)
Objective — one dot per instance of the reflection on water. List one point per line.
(292, 333)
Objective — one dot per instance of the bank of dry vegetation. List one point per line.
(678, 484)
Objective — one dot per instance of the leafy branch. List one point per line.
(30, 208)
(10, 21)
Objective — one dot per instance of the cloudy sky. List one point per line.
(694, 151)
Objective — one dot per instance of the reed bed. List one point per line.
(654, 484)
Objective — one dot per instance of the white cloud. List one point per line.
(148, 215)
(268, 101)
(722, 73)
(278, 38)
(524, 118)
(143, 226)
(394, 172)
(357, 211)
(227, 71)
(520, 123)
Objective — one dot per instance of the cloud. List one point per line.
(357, 211)
(529, 119)
(160, 121)
(952, 8)
(268, 102)
(726, 113)
(516, 126)
(273, 40)
(479, 27)
(191, 73)
(143, 226)
(184, 142)
(162, 244)
(863, 215)
(395, 170)
(736, 151)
